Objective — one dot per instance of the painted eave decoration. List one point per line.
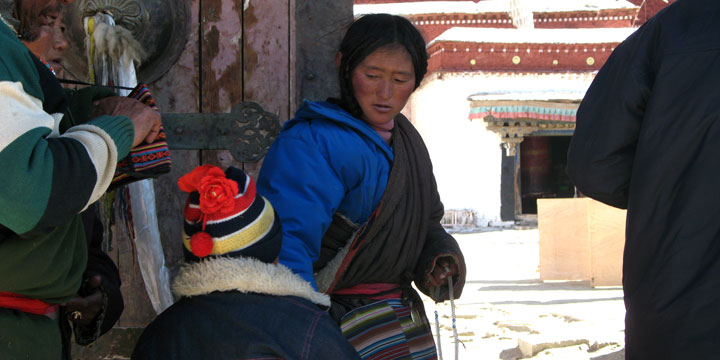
(489, 6)
(540, 96)
(533, 36)
(516, 105)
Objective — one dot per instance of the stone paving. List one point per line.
(506, 312)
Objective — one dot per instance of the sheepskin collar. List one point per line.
(244, 275)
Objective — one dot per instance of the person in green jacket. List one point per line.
(48, 179)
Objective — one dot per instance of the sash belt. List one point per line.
(25, 304)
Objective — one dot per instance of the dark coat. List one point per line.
(241, 308)
(648, 139)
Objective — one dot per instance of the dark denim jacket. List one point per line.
(235, 325)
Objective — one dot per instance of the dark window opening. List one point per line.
(542, 170)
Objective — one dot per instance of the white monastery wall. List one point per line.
(466, 156)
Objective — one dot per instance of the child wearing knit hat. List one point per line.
(236, 301)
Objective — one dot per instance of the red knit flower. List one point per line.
(201, 244)
(191, 181)
(217, 193)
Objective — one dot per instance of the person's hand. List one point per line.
(444, 268)
(83, 310)
(145, 120)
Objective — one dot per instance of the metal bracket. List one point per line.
(247, 131)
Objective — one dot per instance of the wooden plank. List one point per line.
(268, 72)
(320, 28)
(177, 91)
(221, 65)
(564, 239)
(606, 226)
(268, 67)
(292, 60)
(221, 62)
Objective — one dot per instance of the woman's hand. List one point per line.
(444, 267)
(146, 121)
(83, 310)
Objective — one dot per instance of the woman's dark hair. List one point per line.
(29, 13)
(369, 33)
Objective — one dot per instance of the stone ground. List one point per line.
(506, 312)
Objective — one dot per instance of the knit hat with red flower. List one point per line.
(224, 216)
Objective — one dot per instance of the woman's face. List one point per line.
(51, 41)
(383, 83)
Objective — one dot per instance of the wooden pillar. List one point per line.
(507, 186)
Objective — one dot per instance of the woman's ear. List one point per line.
(338, 59)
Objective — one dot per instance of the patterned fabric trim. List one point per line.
(148, 155)
(145, 160)
(48, 66)
(385, 330)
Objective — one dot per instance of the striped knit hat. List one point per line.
(225, 216)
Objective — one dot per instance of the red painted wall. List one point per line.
(459, 56)
(433, 25)
(454, 56)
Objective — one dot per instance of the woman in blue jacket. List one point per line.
(352, 182)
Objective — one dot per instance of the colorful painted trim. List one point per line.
(523, 111)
